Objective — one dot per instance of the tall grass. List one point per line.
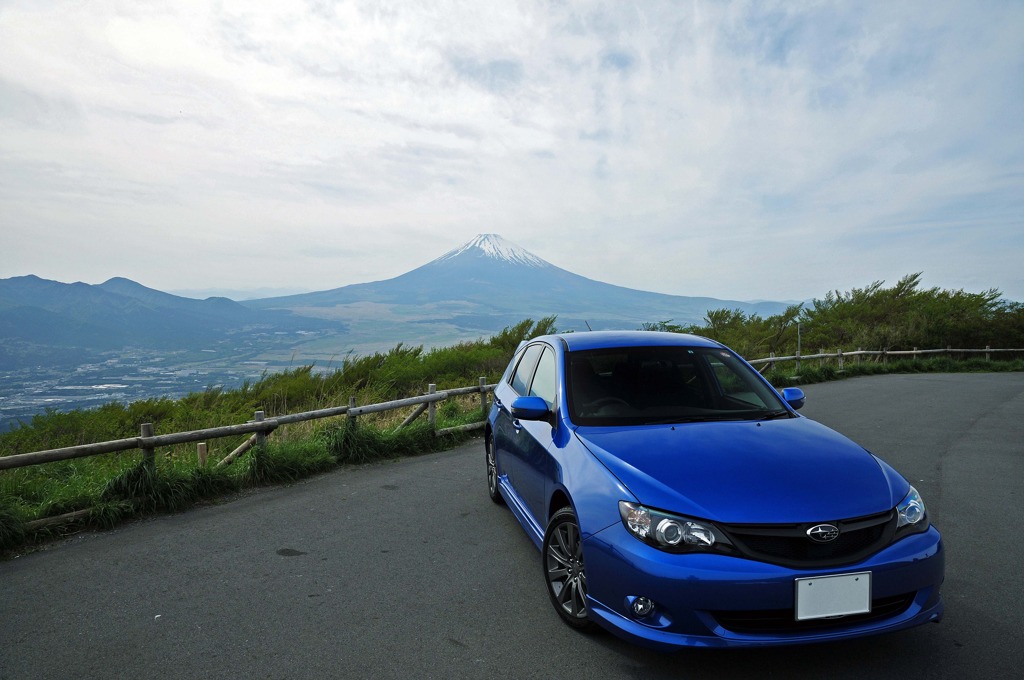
(116, 487)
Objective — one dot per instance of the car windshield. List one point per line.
(646, 385)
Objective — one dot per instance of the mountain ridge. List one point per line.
(73, 345)
(493, 275)
(40, 318)
(468, 292)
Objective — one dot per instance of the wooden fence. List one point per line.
(260, 427)
(876, 355)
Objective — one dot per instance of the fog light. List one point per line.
(643, 606)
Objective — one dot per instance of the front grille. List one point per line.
(784, 620)
(789, 545)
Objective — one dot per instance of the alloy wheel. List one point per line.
(565, 570)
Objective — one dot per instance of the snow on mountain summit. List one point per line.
(496, 247)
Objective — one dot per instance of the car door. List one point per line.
(535, 440)
(507, 429)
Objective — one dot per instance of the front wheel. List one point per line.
(564, 571)
(492, 472)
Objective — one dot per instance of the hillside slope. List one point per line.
(489, 282)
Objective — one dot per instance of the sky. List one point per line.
(738, 150)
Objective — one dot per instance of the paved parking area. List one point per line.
(406, 569)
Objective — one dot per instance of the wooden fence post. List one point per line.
(771, 363)
(148, 452)
(351, 419)
(988, 357)
(483, 396)
(261, 437)
(201, 453)
(432, 409)
(840, 351)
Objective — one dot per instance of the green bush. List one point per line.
(876, 317)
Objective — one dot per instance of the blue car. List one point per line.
(678, 500)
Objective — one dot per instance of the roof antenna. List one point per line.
(588, 325)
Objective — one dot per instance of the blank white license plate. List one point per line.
(822, 597)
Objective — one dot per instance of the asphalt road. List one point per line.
(406, 570)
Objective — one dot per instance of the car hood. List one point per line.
(774, 471)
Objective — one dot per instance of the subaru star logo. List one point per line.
(823, 533)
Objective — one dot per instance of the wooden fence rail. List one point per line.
(840, 355)
(147, 442)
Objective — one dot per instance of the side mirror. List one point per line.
(794, 396)
(530, 408)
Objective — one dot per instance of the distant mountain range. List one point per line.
(486, 284)
(472, 291)
(50, 323)
(75, 345)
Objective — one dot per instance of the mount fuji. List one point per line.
(484, 285)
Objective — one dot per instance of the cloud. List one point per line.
(744, 150)
(497, 75)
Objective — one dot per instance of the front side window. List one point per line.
(524, 371)
(545, 379)
(646, 385)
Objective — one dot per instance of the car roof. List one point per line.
(602, 339)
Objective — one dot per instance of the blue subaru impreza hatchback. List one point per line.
(679, 500)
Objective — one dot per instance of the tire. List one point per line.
(564, 572)
(492, 472)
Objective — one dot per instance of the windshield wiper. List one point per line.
(719, 417)
(772, 415)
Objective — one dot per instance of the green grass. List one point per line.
(114, 488)
(286, 462)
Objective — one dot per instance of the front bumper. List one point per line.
(706, 600)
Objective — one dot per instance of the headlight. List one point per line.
(912, 514)
(668, 532)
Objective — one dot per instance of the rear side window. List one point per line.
(524, 371)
